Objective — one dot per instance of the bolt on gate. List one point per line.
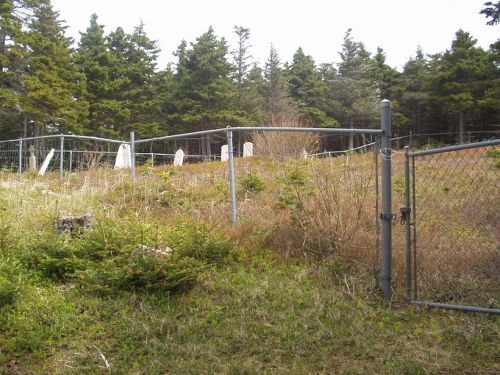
(453, 227)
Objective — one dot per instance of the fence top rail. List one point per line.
(66, 136)
(184, 135)
(305, 130)
(455, 148)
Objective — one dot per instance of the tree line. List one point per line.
(109, 84)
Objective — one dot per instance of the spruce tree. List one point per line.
(352, 94)
(459, 82)
(52, 85)
(276, 89)
(206, 94)
(307, 90)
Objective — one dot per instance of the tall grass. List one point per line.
(288, 289)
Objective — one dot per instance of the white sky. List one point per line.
(318, 26)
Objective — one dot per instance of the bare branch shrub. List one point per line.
(286, 145)
(326, 211)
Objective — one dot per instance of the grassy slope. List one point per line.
(259, 312)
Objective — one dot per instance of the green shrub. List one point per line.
(55, 256)
(198, 241)
(493, 152)
(125, 255)
(10, 281)
(253, 183)
(141, 271)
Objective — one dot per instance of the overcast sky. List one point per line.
(318, 26)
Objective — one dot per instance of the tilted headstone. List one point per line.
(179, 158)
(224, 153)
(123, 157)
(46, 162)
(247, 149)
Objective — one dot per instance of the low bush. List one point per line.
(127, 255)
(10, 281)
(252, 183)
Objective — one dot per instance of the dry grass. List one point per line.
(267, 310)
(285, 145)
(308, 209)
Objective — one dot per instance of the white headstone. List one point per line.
(224, 153)
(247, 149)
(127, 157)
(123, 157)
(46, 163)
(179, 158)
(119, 158)
(32, 159)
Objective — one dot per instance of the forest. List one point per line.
(109, 84)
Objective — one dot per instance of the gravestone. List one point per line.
(224, 153)
(123, 157)
(46, 162)
(179, 158)
(32, 159)
(247, 149)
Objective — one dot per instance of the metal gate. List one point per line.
(452, 218)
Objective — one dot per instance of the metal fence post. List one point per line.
(232, 183)
(61, 159)
(387, 216)
(406, 219)
(132, 155)
(20, 169)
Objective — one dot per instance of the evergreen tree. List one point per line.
(492, 11)
(414, 97)
(241, 57)
(307, 90)
(51, 82)
(206, 94)
(253, 105)
(386, 78)
(10, 68)
(352, 94)
(106, 114)
(459, 81)
(140, 93)
(39, 81)
(275, 89)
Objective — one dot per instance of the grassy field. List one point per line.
(163, 283)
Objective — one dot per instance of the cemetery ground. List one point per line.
(164, 283)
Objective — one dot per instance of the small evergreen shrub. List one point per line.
(10, 280)
(126, 255)
(253, 183)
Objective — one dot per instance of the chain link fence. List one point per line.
(455, 230)
(71, 153)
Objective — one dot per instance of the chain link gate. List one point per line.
(452, 219)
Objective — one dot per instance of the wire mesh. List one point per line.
(457, 226)
(196, 148)
(78, 153)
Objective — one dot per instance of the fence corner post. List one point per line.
(387, 215)
(132, 156)
(232, 183)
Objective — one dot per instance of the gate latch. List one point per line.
(405, 214)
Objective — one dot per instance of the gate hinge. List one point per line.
(387, 216)
(405, 214)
